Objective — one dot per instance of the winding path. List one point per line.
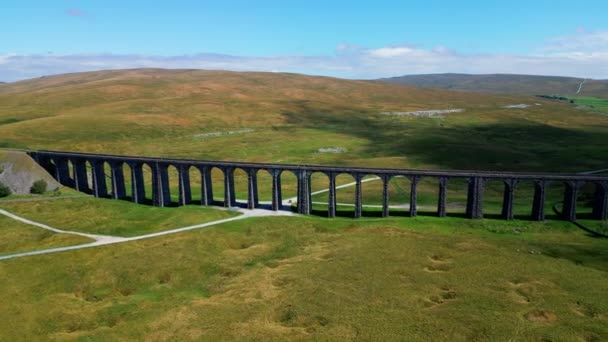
(101, 240)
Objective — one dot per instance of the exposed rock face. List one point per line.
(19, 171)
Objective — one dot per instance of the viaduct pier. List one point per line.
(72, 169)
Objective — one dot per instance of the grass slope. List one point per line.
(18, 237)
(161, 112)
(109, 217)
(302, 278)
(506, 84)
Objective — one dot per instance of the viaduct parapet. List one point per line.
(71, 169)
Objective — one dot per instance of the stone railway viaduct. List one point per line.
(58, 164)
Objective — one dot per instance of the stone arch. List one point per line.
(81, 178)
(99, 176)
(600, 204)
(117, 179)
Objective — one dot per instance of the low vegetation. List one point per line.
(311, 278)
(39, 187)
(303, 278)
(4, 190)
(110, 217)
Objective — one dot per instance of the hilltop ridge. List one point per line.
(513, 84)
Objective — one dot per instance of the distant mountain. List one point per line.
(507, 84)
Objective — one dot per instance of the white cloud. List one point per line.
(581, 41)
(389, 52)
(583, 54)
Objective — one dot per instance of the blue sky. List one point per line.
(353, 39)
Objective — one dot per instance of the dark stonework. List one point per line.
(206, 185)
(81, 181)
(385, 200)
(507, 199)
(57, 163)
(443, 186)
(118, 180)
(62, 171)
(185, 191)
(304, 192)
(45, 162)
(413, 195)
(277, 198)
(538, 204)
(331, 205)
(569, 206)
(229, 199)
(161, 193)
(99, 178)
(252, 189)
(138, 190)
(475, 198)
(600, 207)
(358, 195)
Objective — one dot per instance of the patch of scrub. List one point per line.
(331, 150)
(425, 113)
(519, 105)
(217, 134)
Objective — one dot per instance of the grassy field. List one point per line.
(303, 278)
(18, 237)
(307, 278)
(163, 113)
(109, 217)
(594, 103)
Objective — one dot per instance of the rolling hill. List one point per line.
(507, 84)
(294, 118)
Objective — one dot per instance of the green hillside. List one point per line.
(302, 277)
(507, 84)
(289, 118)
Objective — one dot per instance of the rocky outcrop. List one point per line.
(19, 171)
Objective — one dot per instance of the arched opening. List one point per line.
(217, 185)
(241, 187)
(585, 200)
(126, 169)
(148, 181)
(320, 194)
(428, 196)
(554, 197)
(89, 171)
(195, 178)
(523, 199)
(399, 195)
(456, 197)
(345, 195)
(493, 196)
(289, 190)
(174, 193)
